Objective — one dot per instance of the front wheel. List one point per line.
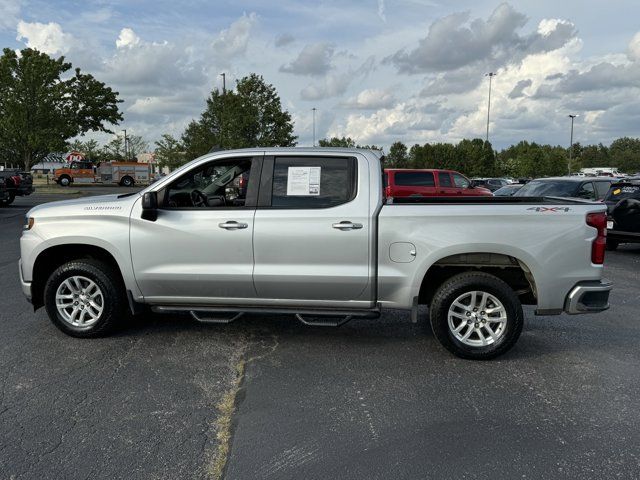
(127, 182)
(64, 181)
(83, 300)
(476, 316)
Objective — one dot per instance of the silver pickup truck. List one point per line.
(309, 232)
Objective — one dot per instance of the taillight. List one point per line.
(598, 247)
(387, 191)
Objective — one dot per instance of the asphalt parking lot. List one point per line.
(169, 398)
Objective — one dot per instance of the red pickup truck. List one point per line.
(429, 183)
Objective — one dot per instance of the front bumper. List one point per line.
(588, 297)
(26, 286)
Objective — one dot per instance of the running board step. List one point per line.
(198, 315)
(324, 321)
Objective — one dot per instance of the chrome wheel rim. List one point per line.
(79, 301)
(477, 319)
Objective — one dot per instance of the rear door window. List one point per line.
(414, 179)
(444, 179)
(587, 191)
(601, 189)
(313, 182)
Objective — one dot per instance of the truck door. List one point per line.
(312, 230)
(199, 248)
(445, 185)
(83, 172)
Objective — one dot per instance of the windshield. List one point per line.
(547, 188)
(621, 192)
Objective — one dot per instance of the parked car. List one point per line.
(17, 183)
(623, 220)
(429, 183)
(492, 184)
(4, 193)
(569, 187)
(316, 237)
(508, 190)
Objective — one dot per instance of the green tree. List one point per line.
(39, 111)
(625, 154)
(170, 152)
(250, 116)
(90, 149)
(344, 142)
(397, 157)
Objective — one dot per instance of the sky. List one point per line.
(377, 71)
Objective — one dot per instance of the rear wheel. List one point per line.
(127, 182)
(83, 300)
(477, 316)
(9, 200)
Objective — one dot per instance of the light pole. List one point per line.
(572, 117)
(224, 94)
(314, 125)
(126, 156)
(490, 75)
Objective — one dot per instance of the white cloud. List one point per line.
(127, 38)
(9, 12)
(313, 59)
(381, 11)
(234, 40)
(634, 48)
(372, 98)
(48, 38)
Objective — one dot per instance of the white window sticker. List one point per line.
(303, 181)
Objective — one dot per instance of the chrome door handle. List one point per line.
(232, 225)
(347, 225)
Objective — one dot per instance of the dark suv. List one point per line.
(571, 187)
(623, 208)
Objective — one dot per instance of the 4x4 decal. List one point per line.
(550, 209)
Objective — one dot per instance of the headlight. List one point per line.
(28, 223)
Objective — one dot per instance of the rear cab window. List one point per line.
(313, 182)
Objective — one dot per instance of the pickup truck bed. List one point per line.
(308, 231)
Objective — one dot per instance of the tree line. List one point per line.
(45, 105)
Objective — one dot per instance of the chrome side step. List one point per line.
(213, 319)
(227, 314)
(324, 323)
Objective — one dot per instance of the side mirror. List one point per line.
(150, 206)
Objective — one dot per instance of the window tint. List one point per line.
(587, 192)
(444, 179)
(313, 182)
(602, 188)
(547, 188)
(460, 181)
(414, 179)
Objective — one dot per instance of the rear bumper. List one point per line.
(26, 286)
(588, 297)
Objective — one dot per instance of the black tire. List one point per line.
(113, 305)
(612, 245)
(64, 181)
(127, 182)
(12, 197)
(460, 284)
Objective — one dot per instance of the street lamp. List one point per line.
(126, 156)
(490, 75)
(572, 117)
(314, 125)
(224, 92)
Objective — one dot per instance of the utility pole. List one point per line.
(572, 117)
(314, 125)
(126, 156)
(490, 75)
(224, 94)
